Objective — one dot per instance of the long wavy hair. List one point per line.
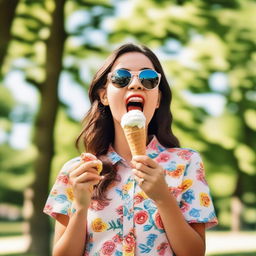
(98, 127)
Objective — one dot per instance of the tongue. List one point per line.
(134, 108)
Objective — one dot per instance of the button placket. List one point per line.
(129, 239)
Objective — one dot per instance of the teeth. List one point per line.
(136, 99)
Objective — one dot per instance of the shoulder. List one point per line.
(69, 164)
(185, 155)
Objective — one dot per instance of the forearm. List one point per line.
(182, 237)
(72, 242)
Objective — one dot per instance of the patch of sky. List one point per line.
(213, 103)
(74, 96)
(123, 8)
(77, 19)
(172, 48)
(21, 90)
(20, 135)
(218, 82)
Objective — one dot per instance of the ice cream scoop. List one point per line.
(133, 124)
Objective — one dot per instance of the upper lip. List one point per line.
(133, 96)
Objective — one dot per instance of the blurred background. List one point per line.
(49, 51)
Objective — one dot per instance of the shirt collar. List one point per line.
(153, 149)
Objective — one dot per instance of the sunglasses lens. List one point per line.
(149, 78)
(121, 77)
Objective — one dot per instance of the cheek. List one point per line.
(150, 106)
(116, 103)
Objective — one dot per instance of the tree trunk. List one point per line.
(44, 133)
(7, 13)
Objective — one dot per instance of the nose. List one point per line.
(135, 84)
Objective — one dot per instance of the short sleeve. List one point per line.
(196, 202)
(61, 196)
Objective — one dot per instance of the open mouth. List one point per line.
(134, 102)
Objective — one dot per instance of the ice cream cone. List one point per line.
(136, 139)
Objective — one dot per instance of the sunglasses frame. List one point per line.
(134, 74)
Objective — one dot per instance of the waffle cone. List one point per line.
(136, 139)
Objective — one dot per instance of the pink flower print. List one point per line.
(184, 206)
(153, 145)
(117, 238)
(185, 154)
(119, 210)
(108, 248)
(162, 248)
(138, 198)
(63, 178)
(163, 157)
(200, 174)
(158, 221)
(171, 150)
(130, 240)
(48, 209)
(141, 217)
(175, 191)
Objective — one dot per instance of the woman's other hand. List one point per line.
(150, 176)
(83, 176)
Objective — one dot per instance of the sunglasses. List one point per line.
(149, 78)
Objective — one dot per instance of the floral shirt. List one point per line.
(129, 224)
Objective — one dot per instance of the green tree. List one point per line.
(39, 38)
(205, 40)
(7, 14)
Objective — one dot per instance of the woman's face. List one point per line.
(119, 99)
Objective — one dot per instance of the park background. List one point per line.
(49, 52)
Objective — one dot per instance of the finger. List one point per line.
(139, 174)
(88, 157)
(143, 168)
(85, 167)
(145, 160)
(88, 177)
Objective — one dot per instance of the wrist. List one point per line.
(165, 198)
(79, 208)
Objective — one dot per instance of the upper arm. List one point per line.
(200, 229)
(60, 227)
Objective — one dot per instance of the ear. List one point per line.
(159, 99)
(103, 96)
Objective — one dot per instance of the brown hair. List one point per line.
(98, 128)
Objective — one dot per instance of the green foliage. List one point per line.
(202, 39)
(198, 39)
(7, 102)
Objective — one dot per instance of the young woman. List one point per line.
(153, 204)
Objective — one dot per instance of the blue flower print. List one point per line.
(171, 166)
(151, 239)
(194, 213)
(61, 198)
(188, 196)
(114, 157)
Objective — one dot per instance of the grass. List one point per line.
(11, 228)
